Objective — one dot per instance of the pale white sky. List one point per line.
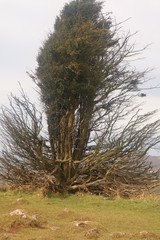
(144, 17)
(24, 24)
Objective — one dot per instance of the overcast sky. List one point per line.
(24, 25)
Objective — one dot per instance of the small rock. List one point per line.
(143, 233)
(117, 234)
(92, 233)
(66, 210)
(18, 212)
(35, 216)
(111, 234)
(19, 199)
(22, 201)
(120, 234)
(81, 223)
(54, 228)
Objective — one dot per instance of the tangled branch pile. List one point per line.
(113, 168)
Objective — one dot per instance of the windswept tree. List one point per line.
(87, 86)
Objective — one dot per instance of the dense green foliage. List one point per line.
(71, 72)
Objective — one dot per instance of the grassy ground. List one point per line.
(56, 217)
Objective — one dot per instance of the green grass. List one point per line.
(55, 217)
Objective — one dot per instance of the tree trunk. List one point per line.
(83, 132)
